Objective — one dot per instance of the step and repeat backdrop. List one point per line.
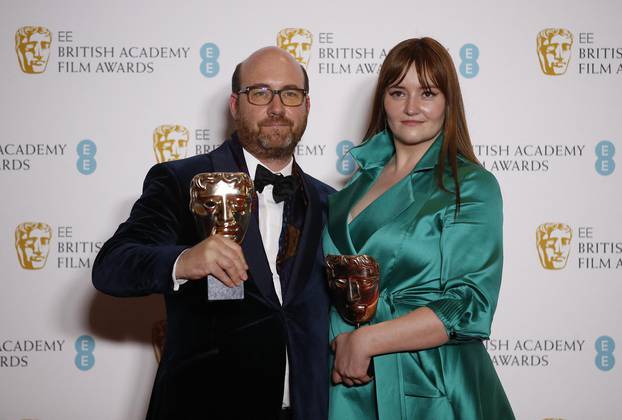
(95, 93)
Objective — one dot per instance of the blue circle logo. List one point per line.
(345, 162)
(86, 163)
(469, 68)
(605, 359)
(605, 165)
(209, 59)
(85, 359)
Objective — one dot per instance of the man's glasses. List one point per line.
(262, 95)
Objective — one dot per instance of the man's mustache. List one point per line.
(275, 121)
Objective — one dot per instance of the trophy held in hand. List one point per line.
(353, 281)
(221, 203)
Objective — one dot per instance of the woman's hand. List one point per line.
(352, 358)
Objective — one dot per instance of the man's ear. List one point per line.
(308, 103)
(233, 105)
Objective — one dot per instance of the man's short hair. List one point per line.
(236, 84)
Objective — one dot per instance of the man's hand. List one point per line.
(351, 358)
(219, 256)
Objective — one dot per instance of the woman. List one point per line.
(431, 216)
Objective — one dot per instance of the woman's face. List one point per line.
(414, 114)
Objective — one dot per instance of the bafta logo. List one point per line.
(553, 243)
(170, 142)
(158, 336)
(297, 42)
(32, 243)
(32, 45)
(554, 49)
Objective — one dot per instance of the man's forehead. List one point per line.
(271, 68)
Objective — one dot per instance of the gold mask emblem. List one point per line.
(553, 243)
(554, 50)
(297, 42)
(32, 243)
(32, 45)
(170, 142)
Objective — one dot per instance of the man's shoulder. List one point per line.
(195, 164)
(322, 188)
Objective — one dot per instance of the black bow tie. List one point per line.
(284, 186)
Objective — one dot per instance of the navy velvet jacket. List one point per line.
(224, 359)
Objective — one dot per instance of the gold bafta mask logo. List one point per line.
(32, 45)
(554, 49)
(158, 336)
(170, 142)
(553, 243)
(32, 243)
(297, 42)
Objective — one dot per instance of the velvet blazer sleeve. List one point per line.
(472, 258)
(138, 259)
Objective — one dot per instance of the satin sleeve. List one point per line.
(471, 258)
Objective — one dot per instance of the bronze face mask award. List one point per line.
(353, 281)
(221, 203)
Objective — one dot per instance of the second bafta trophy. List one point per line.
(221, 203)
(353, 281)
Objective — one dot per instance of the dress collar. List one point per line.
(377, 150)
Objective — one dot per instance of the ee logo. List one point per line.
(209, 64)
(85, 359)
(86, 157)
(604, 353)
(605, 165)
(345, 162)
(469, 53)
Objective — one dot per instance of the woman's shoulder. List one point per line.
(472, 173)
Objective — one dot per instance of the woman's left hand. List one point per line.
(352, 358)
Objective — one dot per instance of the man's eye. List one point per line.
(259, 93)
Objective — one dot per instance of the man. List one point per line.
(266, 356)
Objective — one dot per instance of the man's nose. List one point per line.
(354, 294)
(37, 247)
(276, 107)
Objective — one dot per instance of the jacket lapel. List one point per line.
(309, 240)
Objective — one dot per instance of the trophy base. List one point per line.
(218, 291)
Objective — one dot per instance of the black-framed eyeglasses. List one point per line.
(263, 95)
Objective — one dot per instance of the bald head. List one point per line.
(267, 58)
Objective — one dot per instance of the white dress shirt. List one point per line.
(270, 224)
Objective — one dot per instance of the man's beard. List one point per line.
(266, 143)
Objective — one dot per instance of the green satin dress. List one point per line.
(427, 257)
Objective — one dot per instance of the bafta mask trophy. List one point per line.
(221, 203)
(353, 282)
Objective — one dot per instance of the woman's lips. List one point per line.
(411, 123)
